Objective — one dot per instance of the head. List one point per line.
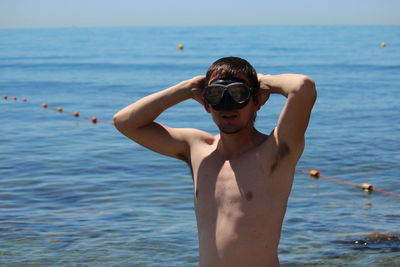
(232, 67)
(228, 72)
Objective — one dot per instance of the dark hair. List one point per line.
(230, 67)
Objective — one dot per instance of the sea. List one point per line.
(74, 192)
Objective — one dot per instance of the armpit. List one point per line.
(283, 151)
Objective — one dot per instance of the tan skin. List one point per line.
(242, 178)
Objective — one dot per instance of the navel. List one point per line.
(197, 193)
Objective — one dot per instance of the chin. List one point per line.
(229, 131)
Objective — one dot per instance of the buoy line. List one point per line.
(93, 119)
(312, 173)
(365, 186)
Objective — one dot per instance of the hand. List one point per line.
(195, 88)
(265, 89)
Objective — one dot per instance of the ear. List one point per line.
(207, 107)
(256, 101)
(260, 99)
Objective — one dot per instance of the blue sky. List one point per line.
(87, 13)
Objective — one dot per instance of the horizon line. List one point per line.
(195, 25)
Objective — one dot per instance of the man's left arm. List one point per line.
(301, 94)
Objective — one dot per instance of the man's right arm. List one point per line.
(136, 121)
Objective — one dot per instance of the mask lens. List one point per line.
(239, 92)
(213, 94)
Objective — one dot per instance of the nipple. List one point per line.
(249, 196)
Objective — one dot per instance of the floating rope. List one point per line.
(313, 173)
(94, 120)
(366, 187)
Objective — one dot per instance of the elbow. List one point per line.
(309, 87)
(308, 83)
(124, 123)
(118, 122)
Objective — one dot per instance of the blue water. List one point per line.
(74, 193)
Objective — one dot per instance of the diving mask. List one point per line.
(227, 94)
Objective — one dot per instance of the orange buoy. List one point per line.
(60, 109)
(314, 173)
(367, 187)
(180, 46)
(76, 114)
(94, 119)
(44, 105)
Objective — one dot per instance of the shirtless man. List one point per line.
(242, 177)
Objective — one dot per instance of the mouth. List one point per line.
(228, 115)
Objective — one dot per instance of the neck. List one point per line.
(235, 144)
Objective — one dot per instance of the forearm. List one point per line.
(287, 84)
(147, 109)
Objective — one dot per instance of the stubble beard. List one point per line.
(228, 130)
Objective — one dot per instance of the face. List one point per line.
(236, 120)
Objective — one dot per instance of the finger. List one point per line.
(197, 95)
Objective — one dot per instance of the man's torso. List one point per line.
(240, 202)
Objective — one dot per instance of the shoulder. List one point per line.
(200, 145)
(273, 156)
(196, 136)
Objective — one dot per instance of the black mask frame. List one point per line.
(220, 95)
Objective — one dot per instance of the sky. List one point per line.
(110, 13)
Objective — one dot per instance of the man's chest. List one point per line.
(246, 182)
(243, 181)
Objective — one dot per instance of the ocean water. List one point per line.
(74, 193)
